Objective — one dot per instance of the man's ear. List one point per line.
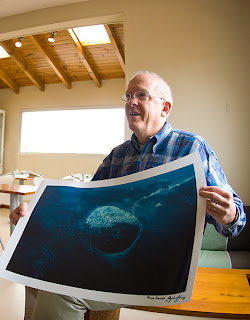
(166, 108)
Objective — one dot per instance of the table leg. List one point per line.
(21, 182)
(1, 243)
(13, 205)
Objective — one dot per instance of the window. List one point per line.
(80, 131)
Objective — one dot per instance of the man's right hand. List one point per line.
(19, 212)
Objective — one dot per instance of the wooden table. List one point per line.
(15, 191)
(218, 293)
(21, 181)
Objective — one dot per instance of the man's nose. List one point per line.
(133, 101)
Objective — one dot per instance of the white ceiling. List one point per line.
(12, 7)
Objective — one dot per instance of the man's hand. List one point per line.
(219, 204)
(19, 212)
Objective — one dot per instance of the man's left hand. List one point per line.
(220, 204)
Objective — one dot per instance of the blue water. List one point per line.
(135, 238)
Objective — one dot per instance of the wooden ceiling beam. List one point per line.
(51, 60)
(116, 46)
(15, 56)
(84, 57)
(7, 80)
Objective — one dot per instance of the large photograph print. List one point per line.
(128, 240)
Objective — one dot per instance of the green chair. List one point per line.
(214, 252)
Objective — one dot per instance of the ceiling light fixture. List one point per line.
(18, 43)
(52, 36)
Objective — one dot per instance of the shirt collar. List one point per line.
(159, 137)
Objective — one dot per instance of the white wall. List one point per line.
(200, 46)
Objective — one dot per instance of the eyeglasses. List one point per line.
(139, 95)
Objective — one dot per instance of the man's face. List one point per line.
(146, 118)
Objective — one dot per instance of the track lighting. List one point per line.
(52, 37)
(18, 43)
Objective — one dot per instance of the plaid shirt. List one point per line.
(168, 145)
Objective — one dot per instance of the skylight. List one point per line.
(3, 53)
(92, 35)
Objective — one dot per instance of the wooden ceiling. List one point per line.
(39, 62)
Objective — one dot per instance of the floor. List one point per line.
(12, 294)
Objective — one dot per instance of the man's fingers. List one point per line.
(219, 204)
(216, 195)
(18, 212)
(212, 197)
(14, 217)
(215, 206)
(23, 209)
(214, 191)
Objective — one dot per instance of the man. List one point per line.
(148, 104)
